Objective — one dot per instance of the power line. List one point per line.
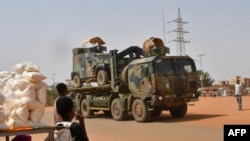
(180, 46)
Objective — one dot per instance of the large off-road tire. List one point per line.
(77, 81)
(140, 111)
(116, 110)
(179, 112)
(102, 77)
(85, 109)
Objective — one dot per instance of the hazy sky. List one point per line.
(46, 31)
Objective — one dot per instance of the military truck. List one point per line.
(142, 81)
(91, 64)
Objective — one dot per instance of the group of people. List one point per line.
(65, 111)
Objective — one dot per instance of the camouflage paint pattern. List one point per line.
(138, 82)
(85, 61)
(175, 88)
(173, 78)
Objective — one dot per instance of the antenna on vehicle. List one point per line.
(163, 21)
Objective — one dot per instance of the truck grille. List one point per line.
(179, 84)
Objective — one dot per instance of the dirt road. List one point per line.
(204, 121)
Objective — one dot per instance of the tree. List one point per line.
(51, 95)
(207, 80)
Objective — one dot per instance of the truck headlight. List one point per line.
(160, 98)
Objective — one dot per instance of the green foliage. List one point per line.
(51, 95)
(207, 81)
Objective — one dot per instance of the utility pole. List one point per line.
(54, 75)
(201, 75)
(180, 46)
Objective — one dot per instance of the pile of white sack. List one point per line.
(22, 96)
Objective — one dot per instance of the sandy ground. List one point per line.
(207, 113)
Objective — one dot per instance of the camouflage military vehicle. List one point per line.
(143, 81)
(91, 64)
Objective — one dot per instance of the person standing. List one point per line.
(62, 90)
(238, 94)
(65, 108)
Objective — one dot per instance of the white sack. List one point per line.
(23, 83)
(4, 80)
(19, 68)
(3, 116)
(22, 96)
(18, 76)
(28, 92)
(33, 76)
(15, 123)
(23, 113)
(36, 115)
(1, 87)
(25, 100)
(4, 74)
(7, 90)
(38, 85)
(11, 104)
(32, 67)
(13, 83)
(11, 75)
(13, 114)
(3, 126)
(2, 99)
(33, 105)
(41, 95)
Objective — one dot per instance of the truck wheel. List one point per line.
(140, 111)
(179, 111)
(102, 77)
(85, 108)
(76, 81)
(116, 110)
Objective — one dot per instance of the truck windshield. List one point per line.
(174, 66)
(184, 66)
(164, 66)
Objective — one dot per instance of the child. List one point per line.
(65, 108)
(62, 90)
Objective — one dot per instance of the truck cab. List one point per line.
(163, 78)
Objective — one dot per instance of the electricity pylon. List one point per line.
(180, 42)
